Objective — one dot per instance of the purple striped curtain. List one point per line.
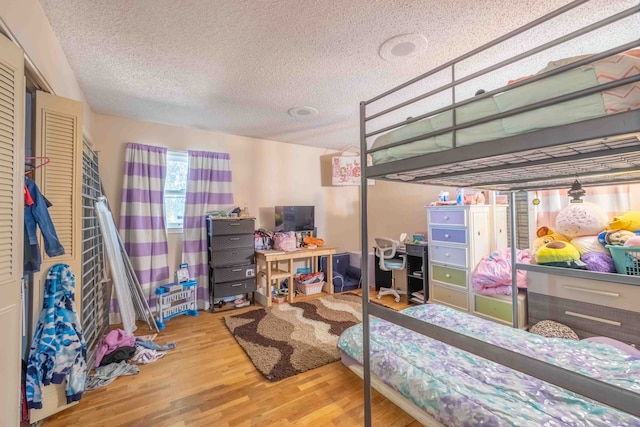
(208, 189)
(142, 225)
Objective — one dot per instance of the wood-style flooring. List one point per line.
(208, 380)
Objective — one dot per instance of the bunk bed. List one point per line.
(533, 143)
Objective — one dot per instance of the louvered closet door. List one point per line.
(12, 95)
(58, 136)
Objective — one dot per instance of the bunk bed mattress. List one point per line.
(458, 388)
(599, 104)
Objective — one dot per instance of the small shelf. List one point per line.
(276, 274)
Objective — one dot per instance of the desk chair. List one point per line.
(386, 251)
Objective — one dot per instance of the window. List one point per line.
(175, 188)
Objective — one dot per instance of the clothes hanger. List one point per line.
(45, 161)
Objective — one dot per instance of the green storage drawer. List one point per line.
(494, 308)
(449, 275)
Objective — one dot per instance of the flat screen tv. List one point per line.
(295, 218)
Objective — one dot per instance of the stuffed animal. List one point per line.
(559, 254)
(615, 237)
(627, 221)
(546, 235)
(581, 219)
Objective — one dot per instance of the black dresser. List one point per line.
(231, 256)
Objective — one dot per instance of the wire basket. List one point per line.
(311, 288)
(626, 259)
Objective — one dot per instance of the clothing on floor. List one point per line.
(145, 355)
(105, 375)
(153, 346)
(120, 354)
(111, 342)
(58, 350)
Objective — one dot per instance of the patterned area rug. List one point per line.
(287, 339)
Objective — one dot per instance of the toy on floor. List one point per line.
(177, 298)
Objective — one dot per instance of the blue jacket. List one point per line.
(58, 350)
(38, 214)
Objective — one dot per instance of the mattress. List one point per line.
(458, 388)
(599, 104)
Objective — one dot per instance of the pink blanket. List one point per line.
(492, 275)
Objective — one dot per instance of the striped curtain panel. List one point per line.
(614, 199)
(142, 224)
(208, 189)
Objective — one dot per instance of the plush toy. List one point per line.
(615, 237)
(546, 235)
(598, 261)
(627, 221)
(633, 242)
(559, 254)
(581, 219)
(588, 244)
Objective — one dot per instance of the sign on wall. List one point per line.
(346, 170)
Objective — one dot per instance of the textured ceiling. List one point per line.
(238, 66)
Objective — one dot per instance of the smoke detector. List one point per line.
(403, 46)
(302, 112)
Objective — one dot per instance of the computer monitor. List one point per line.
(295, 218)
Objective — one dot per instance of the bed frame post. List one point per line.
(364, 246)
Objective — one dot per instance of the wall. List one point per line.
(27, 22)
(266, 174)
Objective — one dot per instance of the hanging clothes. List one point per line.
(58, 350)
(37, 214)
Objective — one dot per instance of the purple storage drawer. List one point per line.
(449, 235)
(447, 216)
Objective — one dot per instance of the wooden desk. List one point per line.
(269, 266)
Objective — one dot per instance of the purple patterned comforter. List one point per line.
(460, 389)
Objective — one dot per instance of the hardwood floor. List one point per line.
(208, 380)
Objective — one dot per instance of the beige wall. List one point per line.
(27, 22)
(266, 174)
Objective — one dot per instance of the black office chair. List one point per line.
(386, 251)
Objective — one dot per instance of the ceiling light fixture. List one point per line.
(403, 46)
(302, 112)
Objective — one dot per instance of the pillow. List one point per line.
(588, 244)
(551, 329)
(629, 349)
(581, 219)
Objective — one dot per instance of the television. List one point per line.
(295, 218)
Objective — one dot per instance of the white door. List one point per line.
(58, 135)
(12, 95)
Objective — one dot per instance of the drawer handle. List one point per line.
(447, 275)
(236, 285)
(234, 238)
(595, 319)
(446, 218)
(592, 291)
(447, 236)
(236, 270)
(447, 255)
(234, 224)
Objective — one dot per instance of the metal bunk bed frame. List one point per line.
(591, 149)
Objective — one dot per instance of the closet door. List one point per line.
(58, 136)
(12, 95)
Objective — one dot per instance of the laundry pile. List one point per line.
(115, 352)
